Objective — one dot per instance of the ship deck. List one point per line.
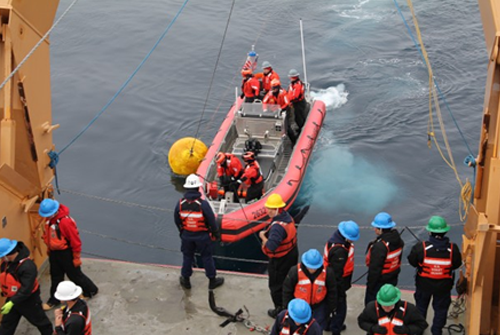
(147, 299)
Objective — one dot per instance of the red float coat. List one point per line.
(252, 175)
(268, 78)
(232, 168)
(280, 99)
(296, 91)
(250, 87)
(61, 232)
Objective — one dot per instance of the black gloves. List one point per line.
(216, 235)
(377, 329)
(401, 330)
(242, 95)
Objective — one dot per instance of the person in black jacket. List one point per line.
(435, 260)
(296, 319)
(311, 281)
(383, 256)
(75, 317)
(391, 315)
(195, 220)
(19, 284)
(339, 255)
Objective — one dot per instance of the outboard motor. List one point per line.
(253, 145)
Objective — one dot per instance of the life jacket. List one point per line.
(281, 99)
(268, 78)
(192, 215)
(435, 265)
(287, 244)
(9, 282)
(302, 330)
(86, 315)
(312, 293)
(296, 91)
(392, 259)
(250, 87)
(397, 319)
(349, 265)
(55, 240)
(231, 168)
(252, 173)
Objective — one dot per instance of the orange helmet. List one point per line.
(248, 156)
(220, 157)
(246, 72)
(275, 83)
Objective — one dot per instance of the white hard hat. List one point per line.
(192, 181)
(67, 290)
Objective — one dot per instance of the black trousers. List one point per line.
(301, 112)
(254, 192)
(278, 269)
(440, 303)
(61, 263)
(32, 310)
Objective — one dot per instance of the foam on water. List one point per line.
(333, 96)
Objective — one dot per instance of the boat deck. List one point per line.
(147, 299)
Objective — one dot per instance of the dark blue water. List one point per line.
(372, 153)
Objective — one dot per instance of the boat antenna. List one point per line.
(303, 57)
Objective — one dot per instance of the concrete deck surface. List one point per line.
(147, 299)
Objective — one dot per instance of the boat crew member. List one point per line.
(75, 317)
(315, 283)
(339, 255)
(279, 243)
(268, 76)
(252, 177)
(297, 99)
(390, 315)
(278, 98)
(229, 170)
(435, 260)
(383, 257)
(296, 319)
(250, 86)
(64, 248)
(195, 220)
(18, 280)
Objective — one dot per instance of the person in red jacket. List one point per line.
(252, 177)
(268, 76)
(297, 99)
(250, 86)
(64, 248)
(229, 170)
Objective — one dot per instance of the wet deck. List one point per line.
(147, 299)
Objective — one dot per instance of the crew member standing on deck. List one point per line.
(315, 283)
(64, 248)
(279, 243)
(18, 280)
(195, 220)
(435, 261)
(296, 319)
(250, 86)
(252, 177)
(339, 255)
(383, 256)
(296, 96)
(74, 318)
(268, 76)
(277, 98)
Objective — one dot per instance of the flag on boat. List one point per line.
(251, 62)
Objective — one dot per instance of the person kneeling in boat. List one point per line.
(279, 243)
(252, 177)
(250, 86)
(278, 97)
(74, 316)
(229, 170)
(315, 283)
(297, 319)
(391, 315)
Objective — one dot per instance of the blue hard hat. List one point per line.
(48, 207)
(299, 310)
(312, 259)
(350, 230)
(6, 246)
(383, 220)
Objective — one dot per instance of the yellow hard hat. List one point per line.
(275, 201)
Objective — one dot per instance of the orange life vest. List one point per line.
(9, 282)
(296, 91)
(55, 240)
(287, 244)
(250, 87)
(192, 215)
(436, 267)
(302, 330)
(312, 293)
(397, 319)
(349, 265)
(392, 259)
(87, 330)
(252, 173)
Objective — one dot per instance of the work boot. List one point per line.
(185, 282)
(215, 282)
(273, 312)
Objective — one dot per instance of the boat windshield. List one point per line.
(257, 109)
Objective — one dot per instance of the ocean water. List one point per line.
(372, 153)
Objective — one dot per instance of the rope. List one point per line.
(213, 76)
(44, 37)
(466, 193)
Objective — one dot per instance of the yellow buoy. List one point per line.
(182, 160)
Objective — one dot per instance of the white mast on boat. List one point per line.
(304, 58)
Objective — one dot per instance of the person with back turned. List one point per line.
(19, 284)
(195, 220)
(435, 260)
